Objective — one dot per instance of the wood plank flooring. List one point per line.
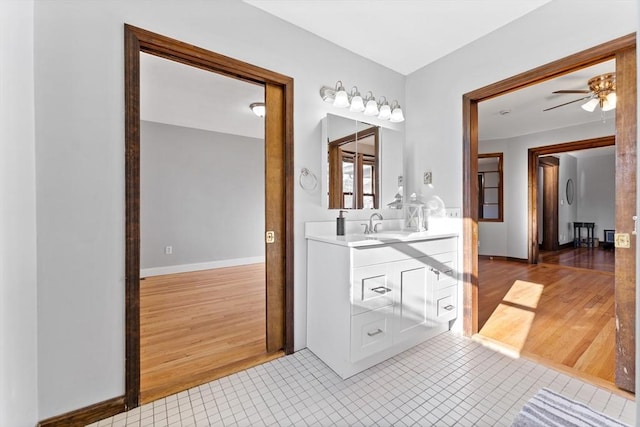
(592, 258)
(561, 314)
(195, 327)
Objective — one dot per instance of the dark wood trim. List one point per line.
(567, 245)
(533, 155)
(503, 258)
(626, 178)
(139, 40)
(551, 166)
(132, 220)
(87, 415)
(626, 129)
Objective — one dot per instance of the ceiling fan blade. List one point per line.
(567, 103)
(572, 91)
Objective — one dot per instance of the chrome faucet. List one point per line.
(372, 228)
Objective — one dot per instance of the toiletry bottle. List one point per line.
(340, 224)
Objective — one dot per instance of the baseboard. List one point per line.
(503, 258)
(90, 414)
(184, 268)
(566, 245)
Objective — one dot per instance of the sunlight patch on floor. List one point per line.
(511, 321)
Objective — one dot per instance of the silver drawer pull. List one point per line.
(381, 290)
(448, 307)
(374, 333)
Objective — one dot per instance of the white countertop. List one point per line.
(381, 238)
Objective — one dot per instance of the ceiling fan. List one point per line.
(602, 93)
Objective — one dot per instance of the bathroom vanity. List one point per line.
(372, 296)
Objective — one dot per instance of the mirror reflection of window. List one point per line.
(353, 170)
(490, 187)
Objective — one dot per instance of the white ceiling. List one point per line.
(180, 95)
(403, 35)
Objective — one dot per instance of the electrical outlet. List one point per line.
(427, 178)
(168, 250)
(452, 212)
(400, 179)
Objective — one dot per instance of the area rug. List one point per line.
(548, 408)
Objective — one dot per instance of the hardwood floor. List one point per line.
(198, 326)
(592, 258)
(558, 313)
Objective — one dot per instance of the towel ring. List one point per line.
(305, 175)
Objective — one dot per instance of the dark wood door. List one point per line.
(550, 167)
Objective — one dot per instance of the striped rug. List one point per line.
(548, 408)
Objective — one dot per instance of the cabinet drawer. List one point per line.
(401, 251)
(444, 270)
(446, 304)
(370, 333)
(370, 289)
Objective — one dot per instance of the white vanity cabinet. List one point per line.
(368, 303)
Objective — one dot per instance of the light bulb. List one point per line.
(371, 107)
(357, 104)
(610, 102)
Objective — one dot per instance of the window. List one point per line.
(353, 171)
(490, 187)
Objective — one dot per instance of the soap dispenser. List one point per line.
(340, 224)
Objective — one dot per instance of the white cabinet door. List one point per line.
(410, 280)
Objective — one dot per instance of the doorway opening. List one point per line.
(277, 315)
(623, 51)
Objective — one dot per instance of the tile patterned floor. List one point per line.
(446, 381)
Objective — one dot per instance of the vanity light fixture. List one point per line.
(368, 105)
(396, 113)
(258, 109)
(385, 110)
(357, 103)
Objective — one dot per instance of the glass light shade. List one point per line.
(371, 108)
(591, 105)
(610, 102)
(396, 115)
(258, 109)
(385, 112)
(357, 104)
(342, 99)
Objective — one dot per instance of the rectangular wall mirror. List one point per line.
(362, 164)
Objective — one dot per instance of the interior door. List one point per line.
(550, 166)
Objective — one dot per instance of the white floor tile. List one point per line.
(448, 380)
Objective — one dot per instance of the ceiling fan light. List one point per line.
(610, 102)
(341, 98)
(590, 105)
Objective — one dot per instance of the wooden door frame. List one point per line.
(550, 167)
(278, 143)
(533, 155)
(622, 49)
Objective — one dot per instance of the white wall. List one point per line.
(202, 193)
(18, 304)
(596, 192)
(434, 94)
(80, 156)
